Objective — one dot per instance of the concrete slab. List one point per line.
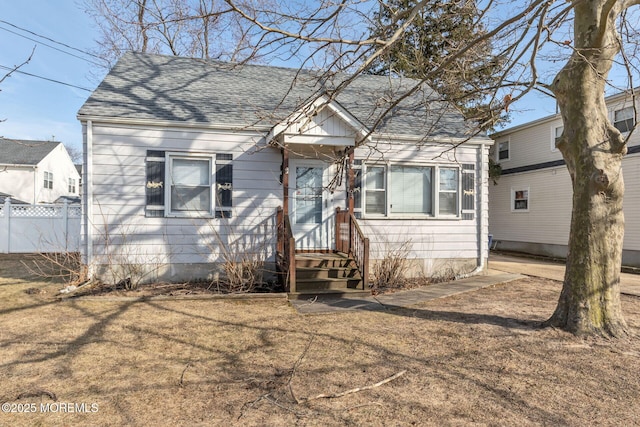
(629, 283)
(401, 299)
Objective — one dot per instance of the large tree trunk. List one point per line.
(593, 151)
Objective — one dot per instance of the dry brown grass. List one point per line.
(476, 358)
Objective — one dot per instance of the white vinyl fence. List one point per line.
(39, 228)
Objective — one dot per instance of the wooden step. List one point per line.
(327, 273)
(322, 260)
(326, 284)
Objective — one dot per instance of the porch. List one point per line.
(342, 270)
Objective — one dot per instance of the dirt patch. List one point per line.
(477, 358)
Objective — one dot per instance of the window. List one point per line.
(72, 186)
(414, 190)
(448, 194)
(357, 188)
(189, 184)
(48, 180)
(375, 190)
(184, 184)
(557, 134)
(503, 150)
(520, 200)
(624, 119)
(411, 190)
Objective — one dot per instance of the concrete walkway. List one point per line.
(408, 298)
(502, 269)
(629, 283)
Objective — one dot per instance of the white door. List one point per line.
(308, 205)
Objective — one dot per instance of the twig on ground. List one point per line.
(295, 366)
(353, 390)
(181, 383)
(37, 393)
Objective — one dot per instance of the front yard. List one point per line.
(477, 358)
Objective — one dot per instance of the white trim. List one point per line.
(553, 147)
(234, 127)
(168, 212)
(497, 150)
(88, 184)
(513, 199)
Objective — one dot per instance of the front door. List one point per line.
(308, 205)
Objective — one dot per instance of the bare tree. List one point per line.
(528, 37)
(195, 28)
(15, 68)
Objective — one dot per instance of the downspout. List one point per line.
(481, 240)
(88, 199)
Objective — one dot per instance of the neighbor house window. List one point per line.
(503, 150)
(414, 190)
(624, 119)
(72, 186)
(520, 200)
(48, 180)
(180, 184)
(557, 134)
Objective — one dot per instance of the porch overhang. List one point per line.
(322, 122)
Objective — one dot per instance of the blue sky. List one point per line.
(38, 109)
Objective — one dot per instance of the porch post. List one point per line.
(351, 183)
(285, 180)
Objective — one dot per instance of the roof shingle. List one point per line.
(169, 88)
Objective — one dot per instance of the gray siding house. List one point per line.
(189, 163)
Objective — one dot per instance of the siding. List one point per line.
(530, 145)
(550, 199)
(430, 239)
(120, 228)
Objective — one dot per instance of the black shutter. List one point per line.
(224, 185)
(154, 185)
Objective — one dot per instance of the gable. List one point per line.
(24, 152)
(321, 122)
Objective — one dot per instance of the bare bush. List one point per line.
(389, 272)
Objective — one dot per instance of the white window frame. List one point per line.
(435, 191)
(514, 191)
(504, 141)
(363, 198)
(72, 186)
(170, 156)
(632, 118)
(48, 180)
(555, 136)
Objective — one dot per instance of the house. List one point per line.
(191, 164)
(37, 171)
(530, 207)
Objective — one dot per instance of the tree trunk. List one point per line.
(593, 149)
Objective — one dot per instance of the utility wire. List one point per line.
(50, 39)
(52, 47)
(44, 78)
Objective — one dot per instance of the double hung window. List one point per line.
(186, 184)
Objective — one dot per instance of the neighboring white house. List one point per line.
(530, 207)
(189, 160)
(37, 171)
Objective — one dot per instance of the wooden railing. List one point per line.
(285, 252)
(351, 240)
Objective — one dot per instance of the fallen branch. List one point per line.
(37, 393)
(353, 390)
(295, 366)
(181, 383)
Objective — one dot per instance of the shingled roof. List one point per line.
(148, 87)
(24, 152)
